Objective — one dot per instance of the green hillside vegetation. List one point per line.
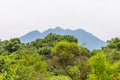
(58, 57)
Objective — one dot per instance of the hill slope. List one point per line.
(90, 41)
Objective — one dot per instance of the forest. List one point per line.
(58, 57)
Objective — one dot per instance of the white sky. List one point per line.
(99, 17)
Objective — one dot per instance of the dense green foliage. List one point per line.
(58, 57)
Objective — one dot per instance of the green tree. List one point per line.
(99, 67)
(12, 45)
(23, 66)
(114, 43)
(64, 56)
(115, 71)
(112, 50)
(69, 38)
(66, 52)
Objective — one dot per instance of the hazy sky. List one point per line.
(99, 17)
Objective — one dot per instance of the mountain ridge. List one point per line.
(84, 37)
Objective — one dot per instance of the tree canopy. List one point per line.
(58, 57)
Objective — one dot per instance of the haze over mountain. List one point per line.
(84, 38)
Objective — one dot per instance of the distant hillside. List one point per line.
(84, 38)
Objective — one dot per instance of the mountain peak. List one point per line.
(35, 31)
(31, 36)
(58, 28)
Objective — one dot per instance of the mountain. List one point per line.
(90, 41)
